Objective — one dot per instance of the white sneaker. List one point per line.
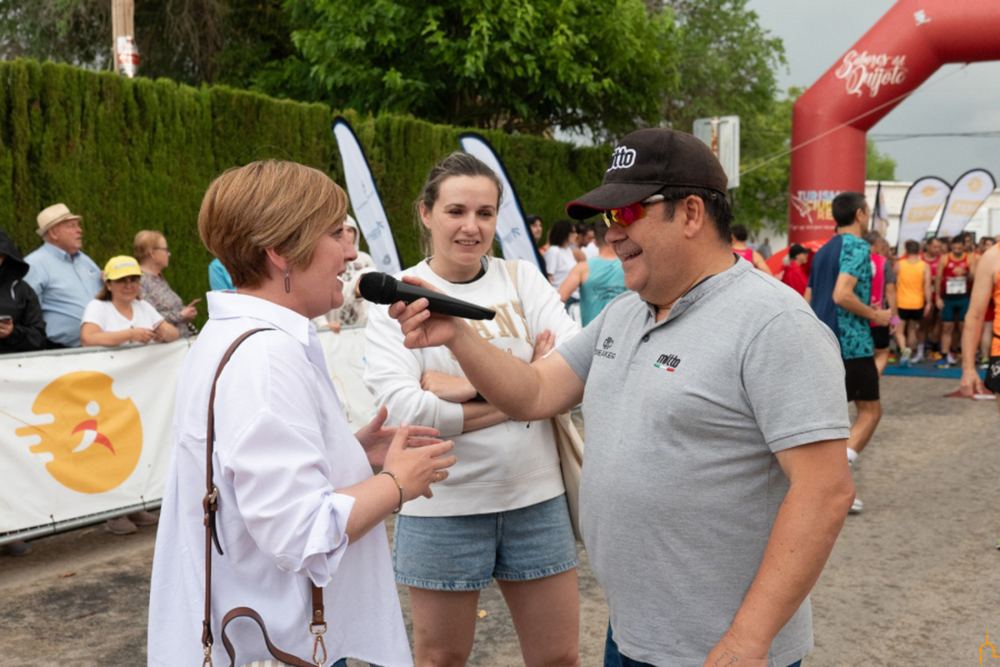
(917, 358)
(856, 507)
(905, 357)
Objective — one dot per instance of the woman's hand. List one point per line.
(141, 335)
(6, 327)
(189, 312)
(376, 440)
(447, 387)
(543, 345)
(417, 468)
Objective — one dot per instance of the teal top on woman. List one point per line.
(604, 282)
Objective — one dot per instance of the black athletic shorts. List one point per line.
(861, 376)
(916, 314)
(993, 375)
(880, 336)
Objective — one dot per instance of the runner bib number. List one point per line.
(955, 285)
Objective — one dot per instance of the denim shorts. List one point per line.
(465, 553)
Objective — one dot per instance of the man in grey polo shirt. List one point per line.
(714, 481)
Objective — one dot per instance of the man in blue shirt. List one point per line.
(64, 278)
(840, 287)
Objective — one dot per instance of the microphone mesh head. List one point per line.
(378, 288)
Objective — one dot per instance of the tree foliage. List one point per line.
(728, 63)
(878, 165)
(189, 41)
(517, 65)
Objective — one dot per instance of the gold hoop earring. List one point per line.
(288, 283)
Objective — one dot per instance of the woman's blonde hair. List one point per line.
(144, 244)
(456, 164)
(268, 204)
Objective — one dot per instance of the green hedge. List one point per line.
(138, 154)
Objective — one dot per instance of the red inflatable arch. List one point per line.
(896, 55)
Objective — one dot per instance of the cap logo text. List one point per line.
(622, 158)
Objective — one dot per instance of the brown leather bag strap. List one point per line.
(317, 625)
(247, 612)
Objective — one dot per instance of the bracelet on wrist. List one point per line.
(400, 485)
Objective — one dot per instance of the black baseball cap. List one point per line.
(646, 161)
(797, 250)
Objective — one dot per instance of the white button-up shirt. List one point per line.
(282, 448)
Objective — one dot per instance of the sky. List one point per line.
(817, 33)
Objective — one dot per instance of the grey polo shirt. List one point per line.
(680, 483)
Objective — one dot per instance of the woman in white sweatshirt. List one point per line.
(502, 513)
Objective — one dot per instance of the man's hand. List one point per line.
(6, 328)
(882, 317)
(375, 439)
(189, 312)
(972, 384)
(732, 650)
(447, 387)
(420, 327)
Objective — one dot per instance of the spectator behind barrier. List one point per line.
(151, 252)
(117, 316)
(63, 277)
(22, 326)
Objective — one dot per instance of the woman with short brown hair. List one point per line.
(297, 500)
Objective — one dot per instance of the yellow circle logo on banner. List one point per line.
(928, 191)
(975, 184)
(95, 439)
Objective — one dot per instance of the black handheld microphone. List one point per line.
(384, 289)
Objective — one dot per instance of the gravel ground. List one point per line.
(915, 580)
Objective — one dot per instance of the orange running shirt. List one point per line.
(910, 285)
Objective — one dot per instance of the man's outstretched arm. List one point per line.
(525, 392)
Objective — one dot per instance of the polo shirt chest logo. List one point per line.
(608, 343)
(668, 362)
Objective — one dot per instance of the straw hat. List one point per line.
(52, 216)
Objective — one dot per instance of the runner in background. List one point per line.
(914, 297)
(930, 328)
(883, 296)
(953, 289)
(985, 290)
(739, 239)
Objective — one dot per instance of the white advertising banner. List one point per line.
(84, 432)
(365, 201)
(512, 230)
(967, 195)
(920, 207)
(87, 432)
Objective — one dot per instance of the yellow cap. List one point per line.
(121, 266)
